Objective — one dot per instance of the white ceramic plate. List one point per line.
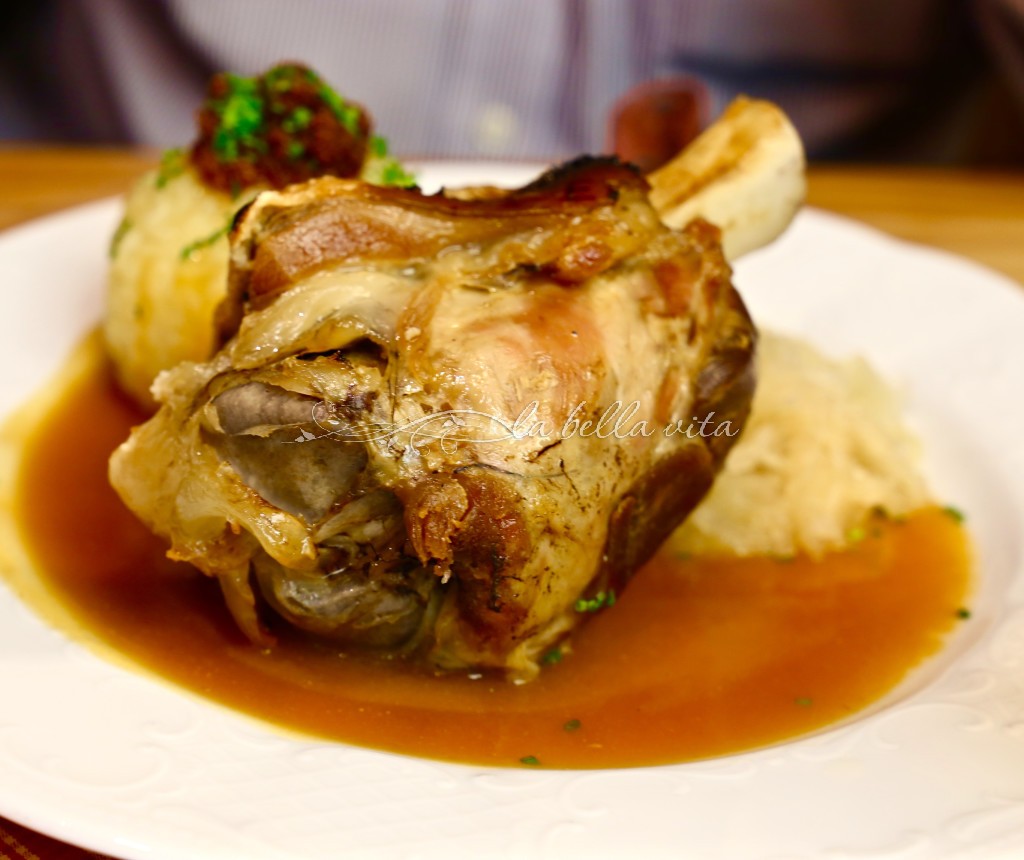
(108, 759)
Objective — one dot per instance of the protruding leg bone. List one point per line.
(745, 173)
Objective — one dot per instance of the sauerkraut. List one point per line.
(824, 448)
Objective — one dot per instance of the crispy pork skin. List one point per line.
(444, 425)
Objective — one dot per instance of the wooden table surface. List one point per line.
(976, 214)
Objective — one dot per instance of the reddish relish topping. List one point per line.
(284, 126)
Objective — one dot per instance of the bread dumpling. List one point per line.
(169, 256)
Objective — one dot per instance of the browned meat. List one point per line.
(393, 449)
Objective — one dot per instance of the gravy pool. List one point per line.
(697, 658)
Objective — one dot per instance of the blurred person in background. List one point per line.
(938, 81)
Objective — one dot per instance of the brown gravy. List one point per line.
(698, 657)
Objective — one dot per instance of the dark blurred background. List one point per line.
(919, 81)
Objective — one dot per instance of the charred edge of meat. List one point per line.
(467, 525)
(492, 544)
(649, 511)
(227, 317)
(726, 383)
(587, 178)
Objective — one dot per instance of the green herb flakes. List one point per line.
(553, 656)
(347, 114)
(595, 603)
(240, 117)
(573, 726)
(394, 174)
(205, 242)
(298, 120)
(172, 164)
(530, 761)
(954, 514)
(119, 234)
(963, 613)
(804, 701)
(280, 78)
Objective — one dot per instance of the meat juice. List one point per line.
(697, 658)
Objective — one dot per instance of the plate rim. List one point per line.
(80, 829)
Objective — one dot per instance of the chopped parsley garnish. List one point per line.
(963, 613)
(298, 120)
(856, 534)
(553, 656)
(804, 701)
(172, 164)
(530, 760)
(346, 114)
(119, 234)
(280, 78)
(240, 115)
(394, 174)
(954, 514)
(205, 242)
(383, 169)
(598, 601)
(286, 126)
(572, 725)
